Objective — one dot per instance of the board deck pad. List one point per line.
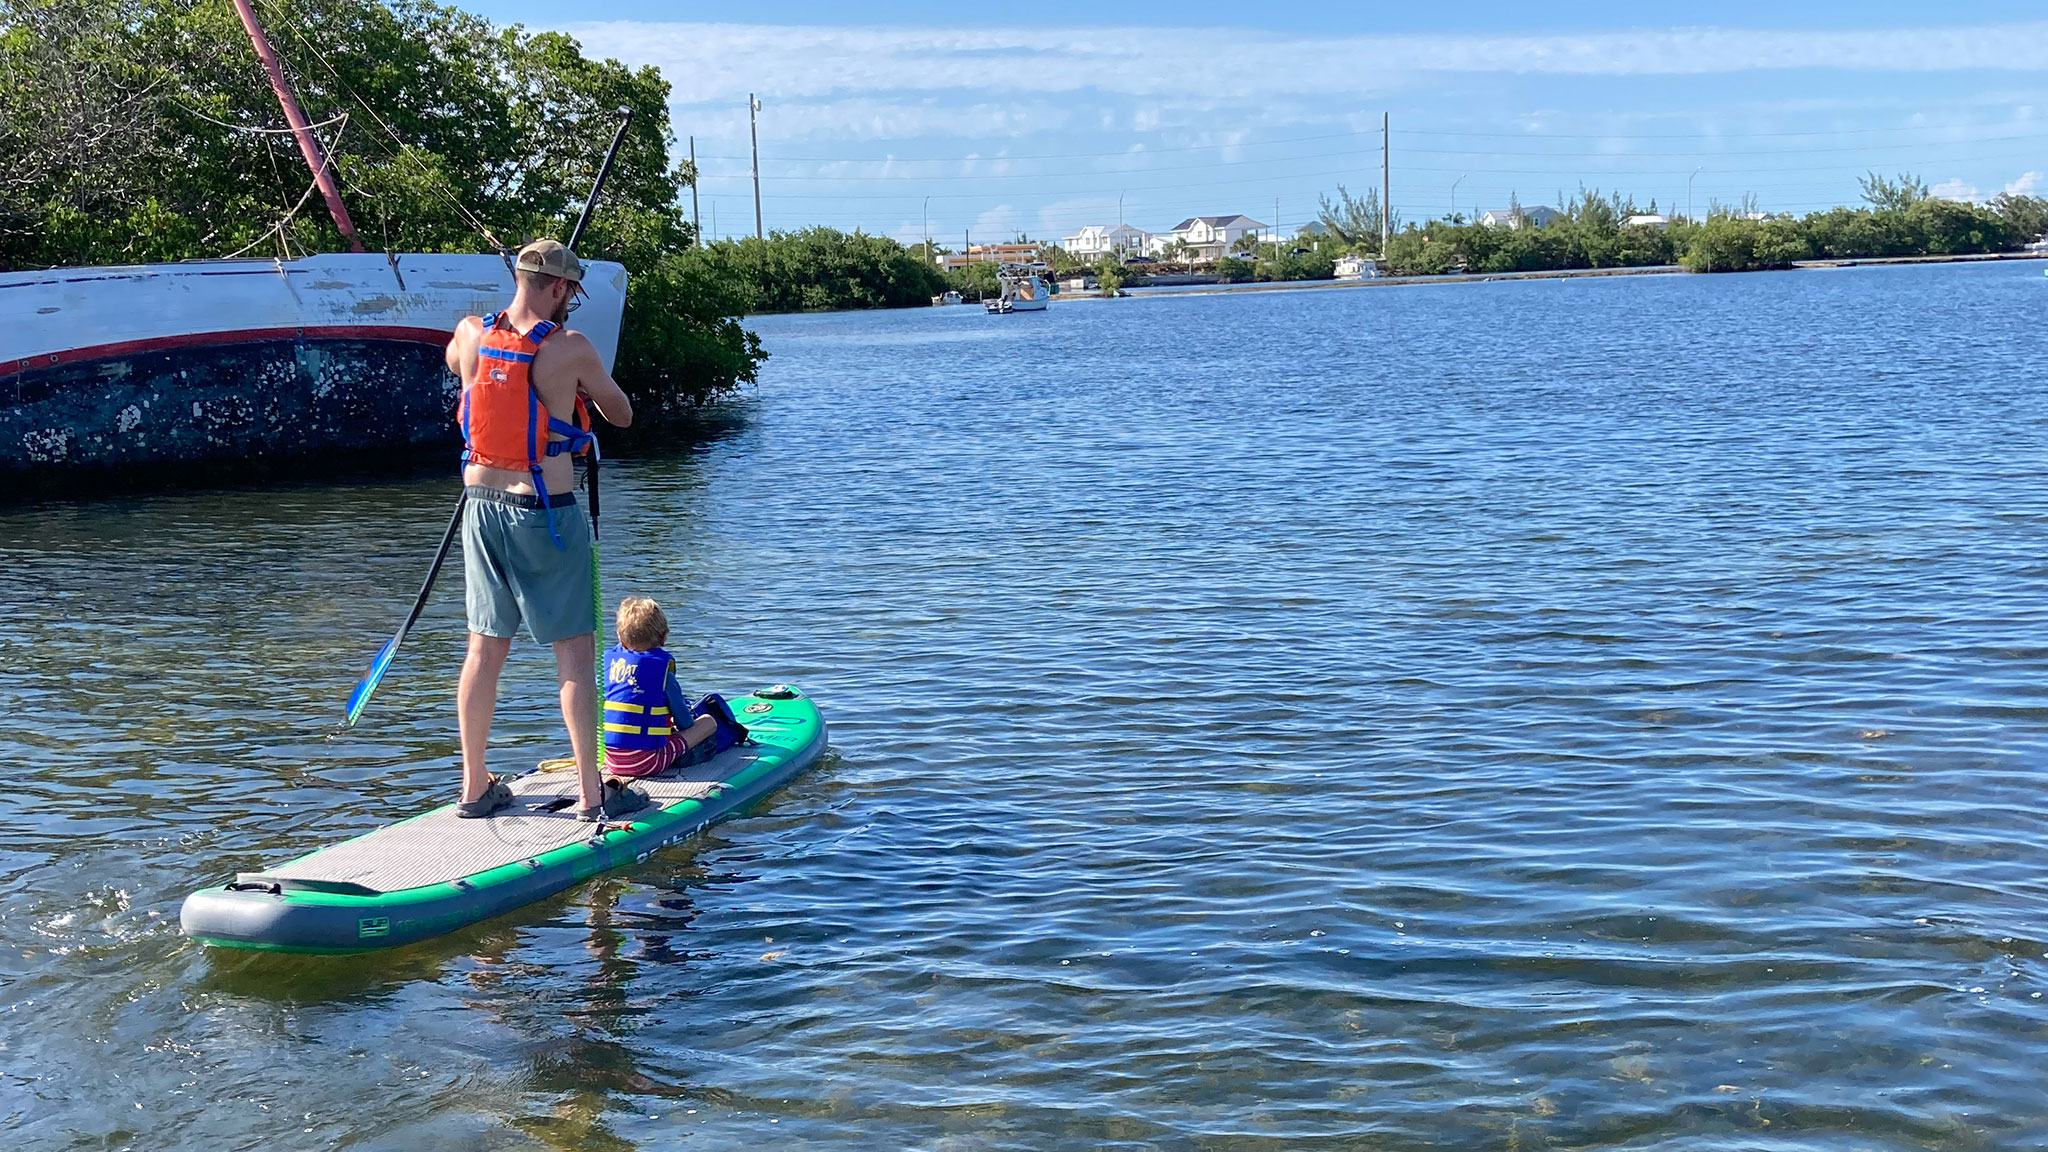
(435, 872)
(441, 846)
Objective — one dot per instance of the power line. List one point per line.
(1407, 132)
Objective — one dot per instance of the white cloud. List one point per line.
(2025, 185)
(714, 62)
(1957, 189)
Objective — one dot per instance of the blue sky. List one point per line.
(1040, 119)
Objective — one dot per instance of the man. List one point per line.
(525, 542)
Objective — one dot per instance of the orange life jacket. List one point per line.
(504, 422)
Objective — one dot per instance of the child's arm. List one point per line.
(678, 704)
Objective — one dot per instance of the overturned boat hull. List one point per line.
(122, 369)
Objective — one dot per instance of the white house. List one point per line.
(1209, 237)
(1534, 215)
(1101, 239)
(1647, 221)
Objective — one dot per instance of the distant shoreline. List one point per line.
(1554, 274)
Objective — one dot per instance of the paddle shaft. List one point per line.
(603, 170)
(596, 606)
(360, 698)
(434, 570)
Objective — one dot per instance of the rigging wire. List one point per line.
(341, 118)
(278, 227)
(435, 180)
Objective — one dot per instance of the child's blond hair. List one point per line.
(642, 624)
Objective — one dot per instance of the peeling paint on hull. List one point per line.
(242, 401)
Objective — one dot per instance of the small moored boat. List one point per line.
(1023, 290)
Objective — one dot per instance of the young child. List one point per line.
(649, 725)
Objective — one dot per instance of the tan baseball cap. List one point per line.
(551, 258)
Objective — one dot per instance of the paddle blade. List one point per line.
(368, 683)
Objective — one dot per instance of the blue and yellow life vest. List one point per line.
(636, 710)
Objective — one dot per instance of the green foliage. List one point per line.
(683, 333)
(1235, 270)
(1953, 228)
(1780, 242)
(1411, 251)
(2026, 217)
(1893, 195)
(1856, 232)
(1730, 243)
(1061, 261)
(1109, 274)
(824, 270)
(1725, 243)
(1354, 221)
(1291, 265)
(145, 130)
(1591, 233)
(977, 281)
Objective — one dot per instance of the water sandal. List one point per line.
(619, 800)
(495, 797)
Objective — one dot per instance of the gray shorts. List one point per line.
(514, 571)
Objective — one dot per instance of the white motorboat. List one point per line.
(1023, 289)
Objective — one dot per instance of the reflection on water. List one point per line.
(1560, 714)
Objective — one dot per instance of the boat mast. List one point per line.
(309, 145)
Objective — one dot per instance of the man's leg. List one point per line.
(476, 699)
(576, 669)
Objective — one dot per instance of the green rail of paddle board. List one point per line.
(434, 873)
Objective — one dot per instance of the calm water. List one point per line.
(1561, 714)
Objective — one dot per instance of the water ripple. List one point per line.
(1531, 715)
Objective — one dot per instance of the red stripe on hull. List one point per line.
(435, 336)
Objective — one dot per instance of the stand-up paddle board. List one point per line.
(436, 872)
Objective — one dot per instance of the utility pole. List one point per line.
(927, 228)
(1276, 229)
(696, 221)
(1688, 189)
(1386, 186)
(754, 133)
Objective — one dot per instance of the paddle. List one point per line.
(368, 684)
(597, 605)
(359, 698)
